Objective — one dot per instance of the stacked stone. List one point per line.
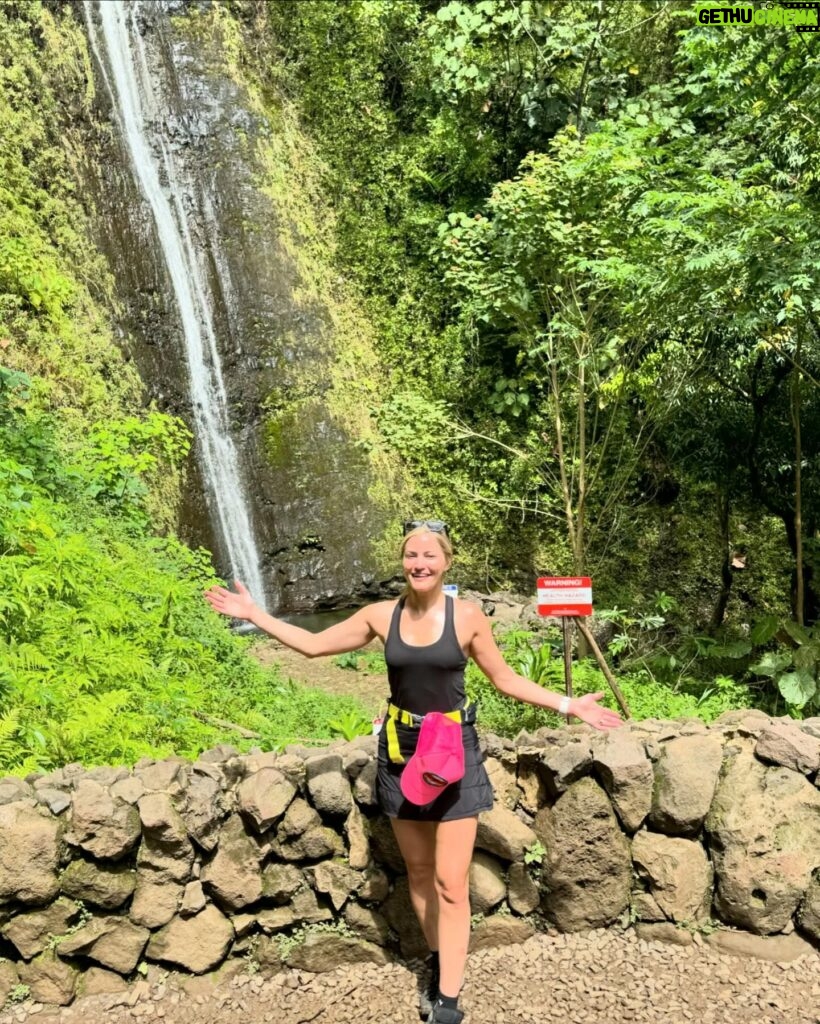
(285, 859)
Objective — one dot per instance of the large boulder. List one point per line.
(487, 886)
(523, 895)
(111, 941)
(678, 875)
(504, 834)
(31, 933)
(102, 885)
(264, 797)
(620, 762)
(328, 784)
(29, 854)
(49, 979)
(155, 902)
(234, 877)
(335, 879)
(764, 833)
(500, 930)
(785, 743)
(685, 778)
(204, 808)
(564, 762)
(588, 867)
(196, 943)
(106, 828)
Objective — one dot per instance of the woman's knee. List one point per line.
(452, 890)
(420, 873)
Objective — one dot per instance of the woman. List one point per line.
(428, 637)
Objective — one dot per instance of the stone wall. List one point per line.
(284, 858)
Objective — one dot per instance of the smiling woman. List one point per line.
(428, 637)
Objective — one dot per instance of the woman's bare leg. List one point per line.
(454, 841)
(417, 842)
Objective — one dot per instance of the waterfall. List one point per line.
(139, 113)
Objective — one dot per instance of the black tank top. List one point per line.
(427, 678)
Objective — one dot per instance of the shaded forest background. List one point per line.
(585, 233)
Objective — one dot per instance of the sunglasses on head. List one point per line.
(433, 525)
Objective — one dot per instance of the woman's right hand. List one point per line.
(239, 605)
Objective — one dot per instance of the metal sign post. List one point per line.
(567, 597)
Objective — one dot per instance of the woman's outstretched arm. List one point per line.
(349, 635)
(484, 651)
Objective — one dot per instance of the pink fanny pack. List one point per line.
(438, 761)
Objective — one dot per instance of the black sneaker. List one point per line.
(429, 990)
(441, 1015)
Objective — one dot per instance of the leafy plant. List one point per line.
(794, 669)
(349, 659)
(350, 725)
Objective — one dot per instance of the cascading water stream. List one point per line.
(134, 100)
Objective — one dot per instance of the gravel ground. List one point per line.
(592, 978)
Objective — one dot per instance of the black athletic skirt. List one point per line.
(463, 799)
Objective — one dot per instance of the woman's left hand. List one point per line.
(589, 710)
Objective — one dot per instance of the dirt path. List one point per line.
(365, 685)
(590, 978)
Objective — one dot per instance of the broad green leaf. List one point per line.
(763, 630)
(771, 664)
(797, 688)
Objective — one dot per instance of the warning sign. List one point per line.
(564, 595)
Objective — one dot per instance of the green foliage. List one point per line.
(535, 853)
(350, 725)
(793, 668)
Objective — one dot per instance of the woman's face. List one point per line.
(424, 562)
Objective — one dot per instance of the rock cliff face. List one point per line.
(244, 856)
(317, 502)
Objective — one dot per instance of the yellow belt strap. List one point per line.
(395, 714)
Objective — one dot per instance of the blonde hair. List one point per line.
(443, 542)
